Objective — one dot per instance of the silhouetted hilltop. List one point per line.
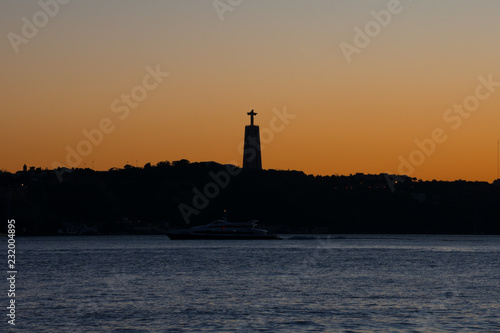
(171, 195)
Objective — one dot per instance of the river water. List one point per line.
(337, 283)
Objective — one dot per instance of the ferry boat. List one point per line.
(223, 229)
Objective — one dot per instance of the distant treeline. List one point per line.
(153, 199)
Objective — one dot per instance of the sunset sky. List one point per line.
(356, 112)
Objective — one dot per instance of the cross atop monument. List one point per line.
(251, 114)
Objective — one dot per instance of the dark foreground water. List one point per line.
(331, 284)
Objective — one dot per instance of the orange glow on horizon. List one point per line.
(364, 116)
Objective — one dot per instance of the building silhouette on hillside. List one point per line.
(251, 155)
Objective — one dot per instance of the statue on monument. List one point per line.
(251, 114)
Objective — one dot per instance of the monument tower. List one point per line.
(251, 153)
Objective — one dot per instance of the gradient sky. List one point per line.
(352, 117)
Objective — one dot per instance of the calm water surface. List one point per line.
(352, 283)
